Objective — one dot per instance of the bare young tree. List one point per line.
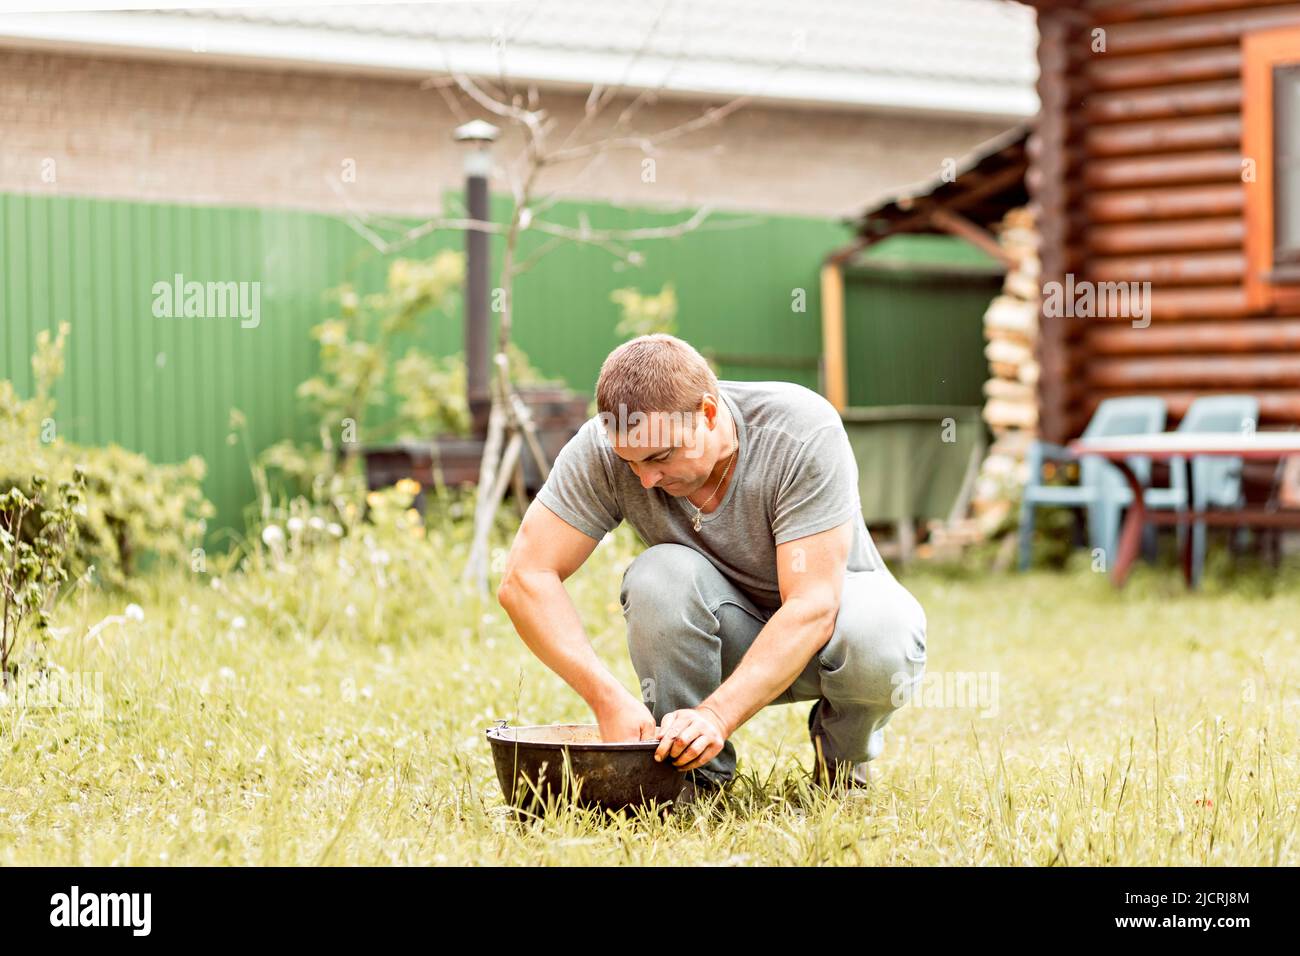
(510, 428)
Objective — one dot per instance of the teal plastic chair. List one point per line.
(1102, 489)
(1216, 481)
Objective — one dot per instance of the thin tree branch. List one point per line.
(441, 84)
(646, 144)
(527, 119)
(597, 101)
(359, 221)
(584, 233)
(545, 248)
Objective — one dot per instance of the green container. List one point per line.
(913, 459)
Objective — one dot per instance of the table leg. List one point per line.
(1130, 535)
(1191, 577)
(1186, 553)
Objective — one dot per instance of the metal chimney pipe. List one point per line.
(478, 165)
(476, 306)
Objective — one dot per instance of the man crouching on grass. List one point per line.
(760, 583)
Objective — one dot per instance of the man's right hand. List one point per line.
(625, 719)
(545, 552)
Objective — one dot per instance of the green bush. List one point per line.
(133, 507)
(360, 377)
(645, 314)
(35, 533)
(357, 372)
(356, 346)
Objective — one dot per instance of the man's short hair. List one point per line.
(654, 373)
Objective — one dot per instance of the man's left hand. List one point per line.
(690, 738)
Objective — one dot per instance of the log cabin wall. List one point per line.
(1137, 169)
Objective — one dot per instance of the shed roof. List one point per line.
(981, 187)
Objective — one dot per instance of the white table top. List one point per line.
(1170, 444)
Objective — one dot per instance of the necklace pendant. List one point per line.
(696, 523)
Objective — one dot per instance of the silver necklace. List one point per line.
(699, 509)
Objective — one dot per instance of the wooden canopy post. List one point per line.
(836, 378)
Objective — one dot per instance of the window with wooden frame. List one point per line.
(1270, 117)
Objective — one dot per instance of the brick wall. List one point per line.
(215, 133)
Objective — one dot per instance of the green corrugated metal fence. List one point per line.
(165, 386)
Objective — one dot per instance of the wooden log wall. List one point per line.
(1137, 170)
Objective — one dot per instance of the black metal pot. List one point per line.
(568, 763)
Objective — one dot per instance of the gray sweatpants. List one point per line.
(688, 626)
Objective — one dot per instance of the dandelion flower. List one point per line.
(272, 535)
(295, 525)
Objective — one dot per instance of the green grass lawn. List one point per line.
(332, 710)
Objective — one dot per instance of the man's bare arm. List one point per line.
(810, 573)
(545, 552)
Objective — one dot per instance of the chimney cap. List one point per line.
(476, 131)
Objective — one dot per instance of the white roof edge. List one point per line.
(236, 42)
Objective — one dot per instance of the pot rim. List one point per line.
(496, 735)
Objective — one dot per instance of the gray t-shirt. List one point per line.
(795, 475)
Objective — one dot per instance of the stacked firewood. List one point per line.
(1011, 405)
